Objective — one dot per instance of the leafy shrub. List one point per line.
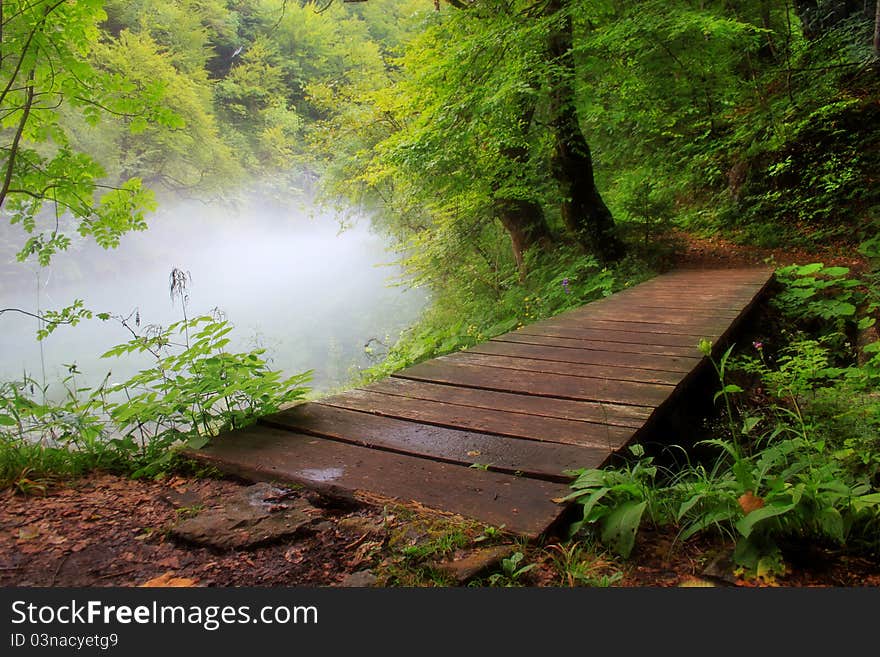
(194, 390)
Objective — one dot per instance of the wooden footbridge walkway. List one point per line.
(488, 433)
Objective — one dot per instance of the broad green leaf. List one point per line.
(747, 524)
(620, 526)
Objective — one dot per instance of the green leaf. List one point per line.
(620, 526)
(862, 502)
(806, 270)
(7, 420)
(747, 524)
(749, 423)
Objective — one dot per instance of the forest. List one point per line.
(520, 158)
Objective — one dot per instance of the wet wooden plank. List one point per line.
(525, 404)
(598, 344)
(629, 336)
(539, 383)
(488, 420)
(523, 505)
(610, 372)
(681, 364)
(644, 324)
(531, 457)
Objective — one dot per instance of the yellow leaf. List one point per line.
(168, 580)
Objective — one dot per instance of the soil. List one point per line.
(106, 530)
(691, 251)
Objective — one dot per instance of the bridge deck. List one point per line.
(490, 432)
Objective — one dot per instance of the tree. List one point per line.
(583, 210)
(45, 73)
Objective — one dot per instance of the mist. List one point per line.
(284, 275)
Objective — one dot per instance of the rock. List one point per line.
(359, 578)
(180, 499)
(466, 566)
(324, 526)
(256, 515)
(720, 568)
(360, 525)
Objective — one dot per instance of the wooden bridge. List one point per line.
(489, 433)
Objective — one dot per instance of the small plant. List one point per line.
(511, 570)
(824, 299)
(578, 566)
(615, 500)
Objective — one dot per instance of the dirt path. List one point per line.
(710, 252)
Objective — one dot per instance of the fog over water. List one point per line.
(285, 276)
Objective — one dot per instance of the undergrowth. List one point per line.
(796, 457)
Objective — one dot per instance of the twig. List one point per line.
(58, 568)
(116, 574)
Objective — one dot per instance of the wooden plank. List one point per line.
(613, 335)
(682, 364)
(524, 506)
(487, 420)
(633, 325)
(610, 372)
(668, 318)
(539, 383)
(652, 307)
(546, 460)
(525, 404)
(686, 303)
(600, 345)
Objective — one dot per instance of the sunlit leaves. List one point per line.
(52, 188)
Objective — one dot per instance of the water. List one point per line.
(286, 277)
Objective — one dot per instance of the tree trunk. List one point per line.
(522, 218)
(819, 16)
(877, 32)
(525, 224)
(583, 210)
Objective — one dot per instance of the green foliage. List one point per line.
(579, 566)
(49, 80)
(615, 501)
(511, 571)
(194, 390)
(41, 439)
(816, 292)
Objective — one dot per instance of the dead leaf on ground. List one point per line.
(28, 533)
(168, 580)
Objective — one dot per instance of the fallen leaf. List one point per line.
(170, 562)
(293, 555)
(28, 533)
(168, 580)
(748, 502)
(696, 582)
